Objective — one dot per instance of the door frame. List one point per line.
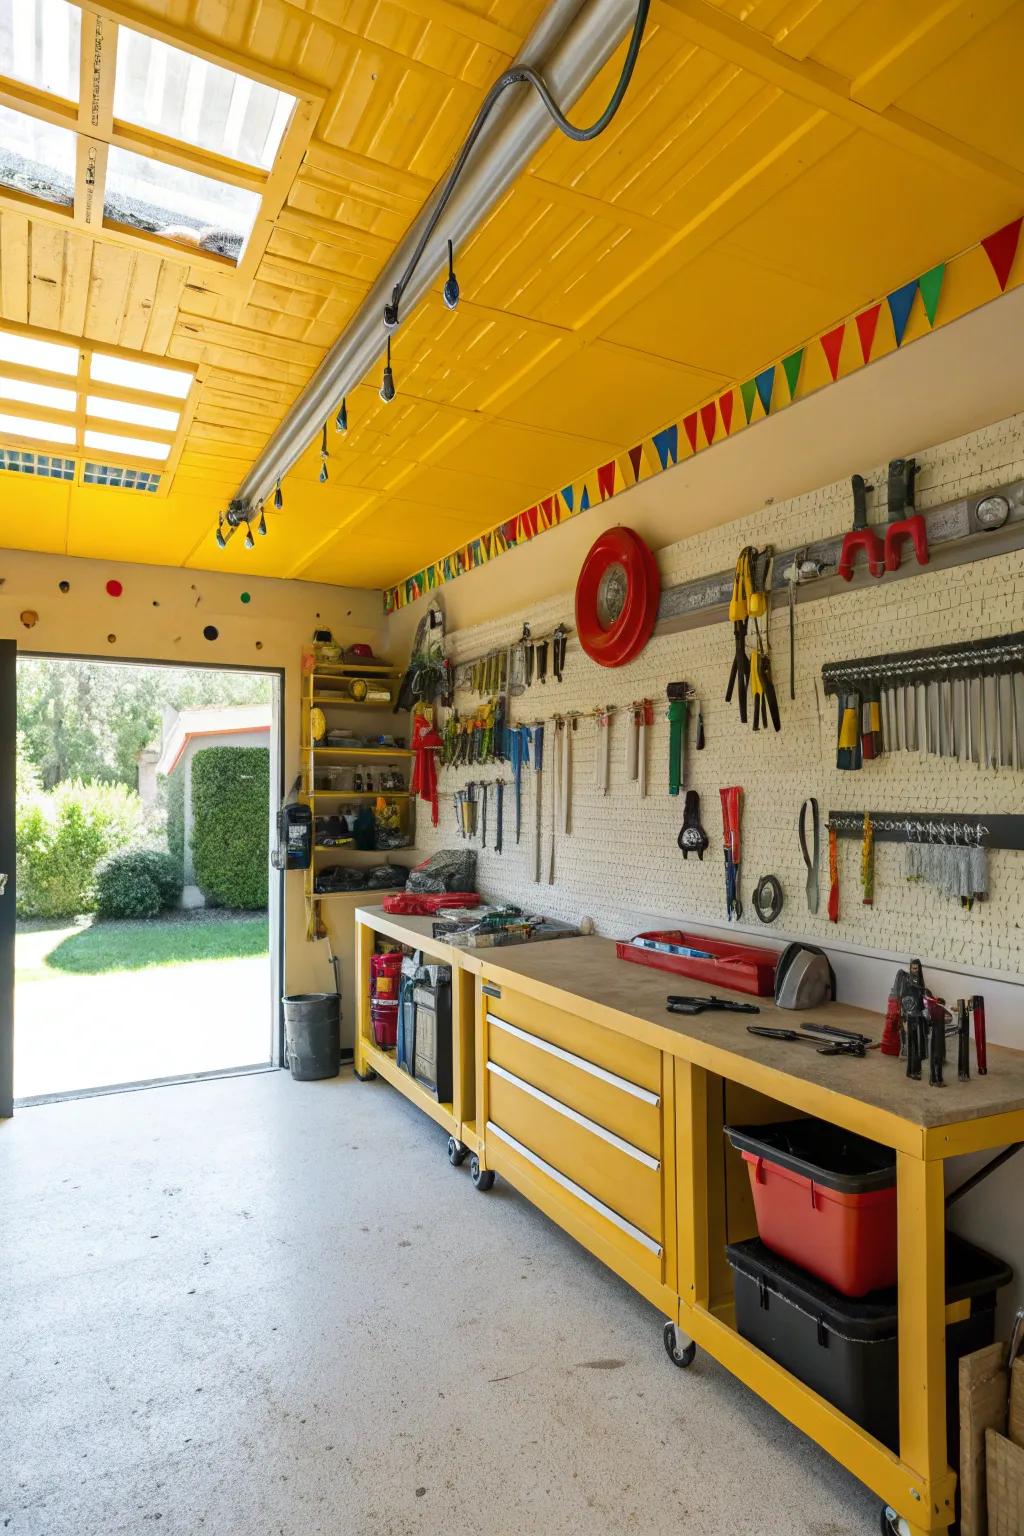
(8, 866)
(275, 879)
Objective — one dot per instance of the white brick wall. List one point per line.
(621, 860)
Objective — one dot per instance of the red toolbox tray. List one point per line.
(825, 1199)
(740, 967)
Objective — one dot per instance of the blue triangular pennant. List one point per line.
(667, 443)
(568, 496)
(765, 384)
(584, 500)
(900, 304)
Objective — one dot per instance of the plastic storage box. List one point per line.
(824, 1199)
(847, 1350)
(738, 967)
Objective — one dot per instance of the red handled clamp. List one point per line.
(861, 536)
(904, 522)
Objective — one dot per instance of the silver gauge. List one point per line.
(992, 512)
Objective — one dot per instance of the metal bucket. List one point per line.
(312, 1023)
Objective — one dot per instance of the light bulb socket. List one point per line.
(341, 420)
(391, 316)
(261, 526)
(450, 291)
(250, 542)
(387, 388)
(221, 540)
(278, 497)
(323, 473)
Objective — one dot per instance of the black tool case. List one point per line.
(847, 1349)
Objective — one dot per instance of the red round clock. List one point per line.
(617, 598)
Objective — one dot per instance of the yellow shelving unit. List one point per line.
(327, 687)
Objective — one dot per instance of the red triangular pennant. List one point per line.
(549, 511)
(832, 345)
(867, 324)
(606, 480)
(636, 458)
(690, 428)
(725, 404)
(709, 420)
(1000, 249)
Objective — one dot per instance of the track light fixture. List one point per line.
(221, 540)
(387, 388)
(278, 497)
(450, 292)
(229, 522)
(341, 420)
(261, 526)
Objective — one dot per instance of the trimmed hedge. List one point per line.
(138, 883)
(230, 831)
(176, 816)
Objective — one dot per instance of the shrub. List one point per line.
(175, 801)
(230, 811)
(61, 838)
(139, 882)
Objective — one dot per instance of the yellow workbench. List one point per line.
(606, 1112)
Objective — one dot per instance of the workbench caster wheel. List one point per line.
(892, 1523)
(368, 1076)
(456, 1152)
(680, 1354)
(483, 1178)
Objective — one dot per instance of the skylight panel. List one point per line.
(27, 352)
(185, 98)
(40, 44)
(178, 205)
(37, 394)
(133, 447)
(36, 158)
(104, 369)
(134, 415)
(46, 431)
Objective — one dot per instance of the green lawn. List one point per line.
(134, 946)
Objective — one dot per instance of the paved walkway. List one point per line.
(75, 1032)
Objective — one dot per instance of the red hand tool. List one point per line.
(904, 522)
(861, 536)
(980, 1042)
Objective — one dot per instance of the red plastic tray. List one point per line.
(737, 967)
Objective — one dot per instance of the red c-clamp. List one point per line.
(901, 526)
(861, 536)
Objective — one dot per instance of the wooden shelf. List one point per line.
(358, 794)
(336, 701)
(354, 669)
(370, 855)
(385, 1065)
(360, 752)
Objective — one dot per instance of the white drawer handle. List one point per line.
(576, 1189)
(574, 1115)
(584, 1065)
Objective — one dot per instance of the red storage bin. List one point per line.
(824, 1199)
(384, 1019)
(738, 967)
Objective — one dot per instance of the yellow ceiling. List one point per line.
(775, 166)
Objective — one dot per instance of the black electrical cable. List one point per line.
(523, 74)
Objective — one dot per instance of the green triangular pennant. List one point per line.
(747, 394)
(791, 368)
(930, 285)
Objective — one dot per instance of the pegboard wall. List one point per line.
(621, 859)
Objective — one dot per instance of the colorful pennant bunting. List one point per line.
(765, 382)
(661, 449)
(901, 302)
(832, 346)
(791, 368)
(867, 324)
(1001, 248)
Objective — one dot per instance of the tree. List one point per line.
(89, 720)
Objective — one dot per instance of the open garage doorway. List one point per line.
(148, 918)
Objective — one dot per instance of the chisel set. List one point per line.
(963, 701)
(477, 738)
(479, 809)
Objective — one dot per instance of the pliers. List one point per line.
(708, 1005)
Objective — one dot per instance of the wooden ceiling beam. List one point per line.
(807, 23)
(700, 22)
(924, 47)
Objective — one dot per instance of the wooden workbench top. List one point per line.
(585, 976)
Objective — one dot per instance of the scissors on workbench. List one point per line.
(708, 1005)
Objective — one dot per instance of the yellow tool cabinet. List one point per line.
(606, 1112)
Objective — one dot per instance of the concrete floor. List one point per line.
(253, 1307)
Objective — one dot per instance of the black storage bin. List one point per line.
(845, 1349)
(424, 1044)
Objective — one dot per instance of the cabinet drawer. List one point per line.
(621, 1176)
(628, 1108)
(630, 1059)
